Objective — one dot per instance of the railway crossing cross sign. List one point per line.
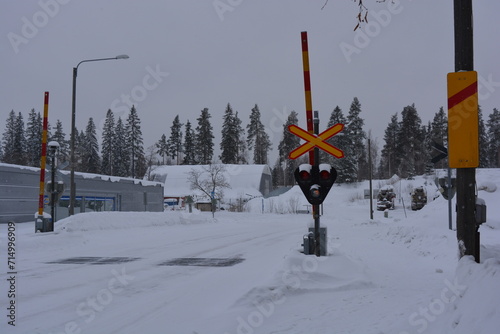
(313, 140)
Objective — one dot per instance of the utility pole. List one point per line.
(467, 229)
(371, 172)
(315, 207)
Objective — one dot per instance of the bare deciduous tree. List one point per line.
(210, 180)
(363, 12)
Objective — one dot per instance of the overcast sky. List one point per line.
(189, 54)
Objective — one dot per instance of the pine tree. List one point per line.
(121, 157)
(108, 143)
(493, 125)
(288, 143)
(356, 152)
(174, 142)
(91, 162)
(257, 138)
(389, 162)
(189, 145)
(60, 137)
(204, 148)
(33, 139)
(135, 145)
(162, 147)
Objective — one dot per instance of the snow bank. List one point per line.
(96, 221)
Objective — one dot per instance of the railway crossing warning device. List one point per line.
(315, 181)
(313, 140)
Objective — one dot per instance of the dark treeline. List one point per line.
(406, 149)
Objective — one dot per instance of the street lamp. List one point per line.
(72, 195)
(53, 147)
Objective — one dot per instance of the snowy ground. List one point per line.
(387, 275)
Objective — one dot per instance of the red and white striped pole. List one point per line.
(307, 90)
(44, 154)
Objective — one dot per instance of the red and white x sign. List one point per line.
(316, 141)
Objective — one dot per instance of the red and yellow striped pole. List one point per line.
(307, 89)
(44, 154)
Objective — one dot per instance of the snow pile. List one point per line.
(477, 306)
(100, 221)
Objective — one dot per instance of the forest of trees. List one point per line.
(406, 149)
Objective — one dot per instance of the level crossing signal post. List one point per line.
(315, 179)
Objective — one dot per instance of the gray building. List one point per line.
(19, 194)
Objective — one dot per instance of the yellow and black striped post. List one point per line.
(307, 89)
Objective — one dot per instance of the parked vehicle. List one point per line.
(386, 198)
(418, 198)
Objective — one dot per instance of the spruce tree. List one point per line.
(9, 139)
(204, 148)
(189, 145)
(228, 149)
(80, 150)
(342, 141)
(60, 137)
(483, 141)
(174, 142)
(257, 138)
(288, 143)
(411, 150)
(278, 175)
(232, 144)
(439, 134)
(240, 141)
(19, 150)
(33, 139)
(493, 126)
(389, 162)
(121, 157)
(356, 152)
(135, 145)
(108, 143)
(91, 162)
(162, 147)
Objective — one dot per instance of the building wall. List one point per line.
(19, 189)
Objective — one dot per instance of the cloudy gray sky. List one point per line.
(189, 54)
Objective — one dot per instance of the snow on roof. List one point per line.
(243, 179)
(66, 173)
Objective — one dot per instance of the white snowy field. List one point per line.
(397, 275)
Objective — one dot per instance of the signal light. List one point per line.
(315, 181)
(304, 175)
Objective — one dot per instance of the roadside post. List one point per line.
(42, 222)
(463, 123)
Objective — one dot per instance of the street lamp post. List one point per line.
(73, 130)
